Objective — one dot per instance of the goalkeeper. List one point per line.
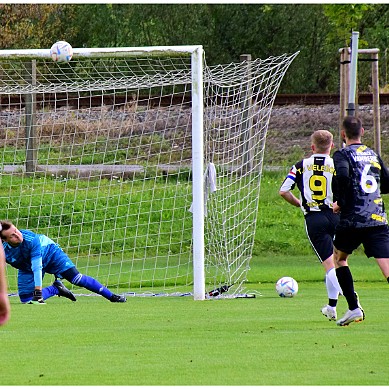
(34, 255)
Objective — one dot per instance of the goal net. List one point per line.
(147, 189)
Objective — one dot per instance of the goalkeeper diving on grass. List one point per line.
(36, 254)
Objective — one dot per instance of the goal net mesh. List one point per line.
(97, 154)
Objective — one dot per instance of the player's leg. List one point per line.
(319, 228)
(346, 241)
(383, 263)
(333, 289)
(62, 291)
(345, 277)
(327, 257)
(355, 313)
(87, 282)
(332, 283)
(376, 245)
(26, 287)
(62, 267)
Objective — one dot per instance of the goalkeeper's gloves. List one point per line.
(37, 297)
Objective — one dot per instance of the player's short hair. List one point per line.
(322, 139)
(4, 226)
(352, 127)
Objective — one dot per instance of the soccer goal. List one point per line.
(144, 164)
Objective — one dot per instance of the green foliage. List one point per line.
(35, 25)
(280, 225)
(344, 18)
(111, 203)
(225, 30)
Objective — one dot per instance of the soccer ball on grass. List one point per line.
(61, 51)
(287, 287)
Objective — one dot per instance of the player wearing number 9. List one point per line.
(361, 178)
(313, 177)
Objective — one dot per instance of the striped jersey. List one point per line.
(361, 174)
(313, 177)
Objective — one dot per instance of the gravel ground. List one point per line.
(290, 128)
(288, 138)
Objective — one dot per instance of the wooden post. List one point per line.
(30, 118)
(344, 87)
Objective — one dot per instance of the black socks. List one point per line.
(346, 282)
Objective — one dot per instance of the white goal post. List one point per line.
(143, 163)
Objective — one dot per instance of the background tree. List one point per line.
(226, 31)
(34, 25)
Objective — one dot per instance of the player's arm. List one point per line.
(290, 198)
(287, 187)
(384, 178)
(36, 267)
(5, 308)
(341, 180)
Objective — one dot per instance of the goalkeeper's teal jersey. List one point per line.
(33, 254)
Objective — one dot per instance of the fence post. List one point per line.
(30, 118)
(344, 87)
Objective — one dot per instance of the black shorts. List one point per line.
(320, 229)
(375, 240)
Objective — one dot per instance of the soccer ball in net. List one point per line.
(61, 51)
(287, 287)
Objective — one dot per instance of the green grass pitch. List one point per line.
(177, 341)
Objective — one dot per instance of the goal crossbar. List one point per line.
(105, 51)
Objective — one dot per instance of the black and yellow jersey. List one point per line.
(313, 177)
(361, 178)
